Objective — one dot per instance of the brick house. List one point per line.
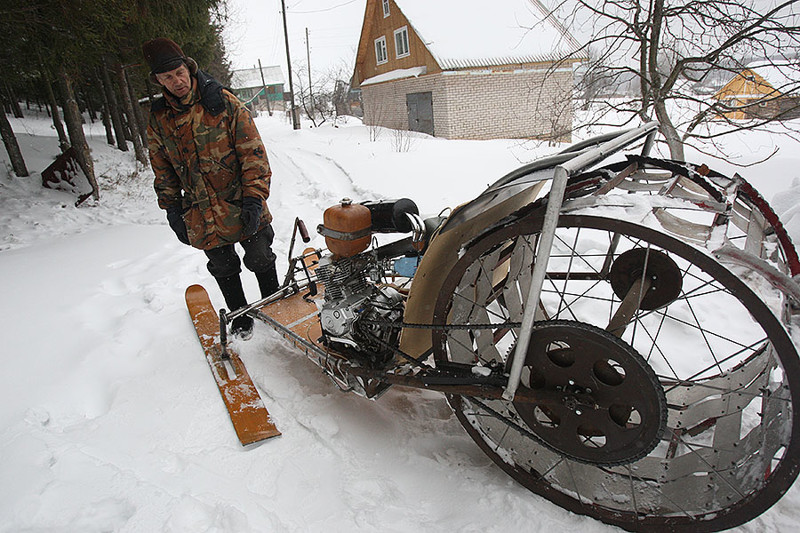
(454, 70)
(764, 90)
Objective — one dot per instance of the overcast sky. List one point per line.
(255, 32)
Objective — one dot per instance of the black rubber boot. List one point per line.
(267, 281)
(233, 293)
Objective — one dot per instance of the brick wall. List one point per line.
(385, 103)
(480, 104)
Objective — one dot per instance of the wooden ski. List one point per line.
(250, 417)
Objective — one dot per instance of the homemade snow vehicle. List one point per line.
(615, 336)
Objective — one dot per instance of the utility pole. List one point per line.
(308, 60)
(264, 85)
(295, 118)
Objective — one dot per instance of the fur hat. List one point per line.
(163, 55)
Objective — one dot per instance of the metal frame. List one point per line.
(555, 200)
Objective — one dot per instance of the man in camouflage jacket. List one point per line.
(211, 173)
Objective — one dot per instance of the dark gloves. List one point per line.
(175, 219)
(251, 215)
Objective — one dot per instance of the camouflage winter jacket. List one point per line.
(207, 155)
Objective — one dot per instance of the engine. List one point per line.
(359, 312)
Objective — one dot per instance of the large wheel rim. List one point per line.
(720, 462)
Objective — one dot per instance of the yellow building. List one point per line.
(762, 90)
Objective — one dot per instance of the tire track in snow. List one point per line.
(315, 175)
(304, 184)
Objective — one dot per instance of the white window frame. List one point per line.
(381, 50)
(385, 8)
(402, 32)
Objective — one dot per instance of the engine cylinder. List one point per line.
(347, 228)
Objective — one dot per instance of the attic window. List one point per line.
(401, 42)
(380, 50)
(385, 8)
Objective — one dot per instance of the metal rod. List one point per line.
(292, 262)
(629, 305)
(555, 199)
(648, 143)
(277, 295)
(223, 335)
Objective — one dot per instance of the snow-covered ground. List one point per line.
(110, 420)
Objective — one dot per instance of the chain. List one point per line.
(444, 327)
(397, 351)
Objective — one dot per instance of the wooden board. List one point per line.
(299, 313)
(249, 416)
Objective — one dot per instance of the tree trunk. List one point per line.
(104, 114)
(14, 153)
(113, 107)
(73, 119)
(669, 132)
(14, 102)
(87, 97)
(137, 111)
(138, 148)
(63, 142)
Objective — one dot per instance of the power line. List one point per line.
(326, 9)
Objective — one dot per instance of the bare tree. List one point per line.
(72, 117)
(12, 146)
(374, 110)
(664, 48)
(550, 102)
(63, 141)
(317, 101)
(113, 106)
(402, 140)
(138, 145)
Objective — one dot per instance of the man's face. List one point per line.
(177, 81)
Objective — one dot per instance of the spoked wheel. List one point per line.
(666, 384)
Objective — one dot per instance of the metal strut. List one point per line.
(555, 199)
(223, 334)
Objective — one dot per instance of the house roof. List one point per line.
(251, 77)
(396, 74)
(462, 35)
(781, 75)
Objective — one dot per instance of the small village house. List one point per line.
(764, 90)
(459, 70)
(249, 87)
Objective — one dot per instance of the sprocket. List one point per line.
(605, 405)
